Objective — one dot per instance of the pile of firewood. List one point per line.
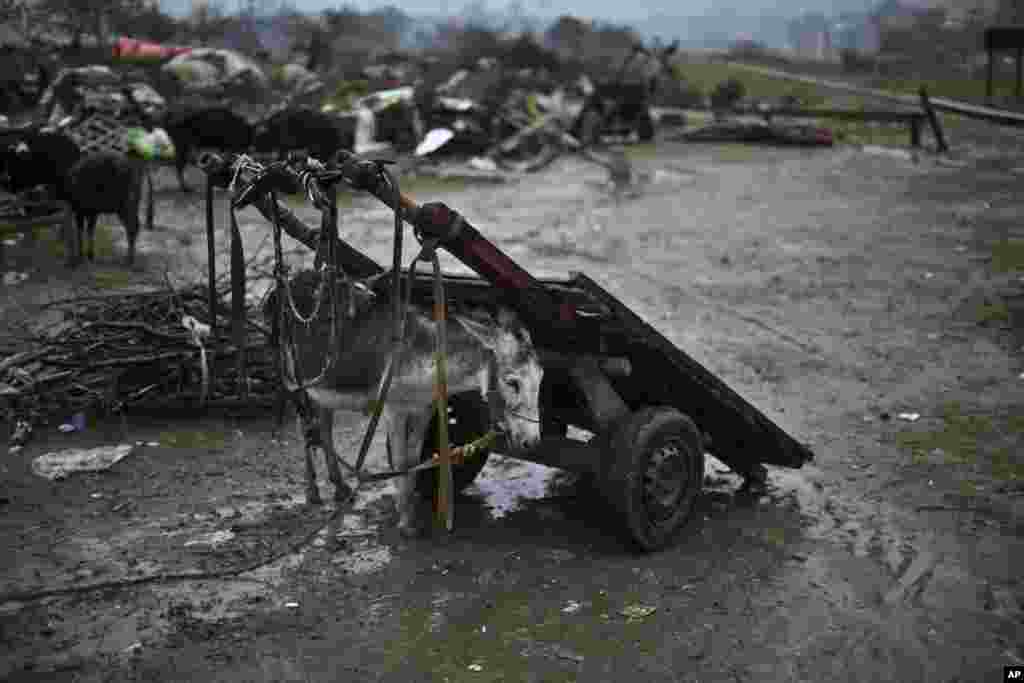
(105, 354)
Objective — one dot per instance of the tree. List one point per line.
(26, 19)
(567, 34)
(95, 17)
(149, 23)
(209, 21)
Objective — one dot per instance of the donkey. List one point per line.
(482, 354)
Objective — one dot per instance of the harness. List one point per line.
(314, 179)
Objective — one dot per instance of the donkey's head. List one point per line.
(517, 374)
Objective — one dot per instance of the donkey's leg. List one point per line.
(312, 492)
(412, 427)
(342, 491)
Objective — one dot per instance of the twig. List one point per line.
(22, 358)
(134, 360)
(138, 326)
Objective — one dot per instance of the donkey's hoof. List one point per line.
(313, 498)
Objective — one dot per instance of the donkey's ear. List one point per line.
(483, 332)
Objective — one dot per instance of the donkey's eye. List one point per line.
(514, 384)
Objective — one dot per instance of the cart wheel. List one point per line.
(469, 420)
(533, 154)
(654, 474)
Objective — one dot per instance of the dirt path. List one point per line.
(834, 289)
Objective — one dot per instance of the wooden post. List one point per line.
(933, 118)
(1020, 75)
(446, 485)
(915, 131)
(988, 80)
(211, 256)
(238, 305)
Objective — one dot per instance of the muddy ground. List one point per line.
(834, 288)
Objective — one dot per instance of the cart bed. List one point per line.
(662, 374)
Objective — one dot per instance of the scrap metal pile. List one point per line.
(106, 354)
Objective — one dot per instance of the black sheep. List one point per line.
(91, 183)
(216, 128)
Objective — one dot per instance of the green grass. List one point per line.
(993, 313)
(707, 75)
(517, 621)
(49, 239)
(954, 87)
(962, 441)
(193, 439)
(641, 151)
(735, 152)
(111, 279)
(865, 133)
(1008, 256)
(957, 86)
(958, 438)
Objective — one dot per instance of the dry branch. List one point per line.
(104, 354)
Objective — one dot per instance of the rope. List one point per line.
(198, 331)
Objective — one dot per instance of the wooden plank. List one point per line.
(933, 118)
(989, 114)
(1004, 38)
(905, 116)
(741, 436)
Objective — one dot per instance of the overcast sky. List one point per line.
(608, 10)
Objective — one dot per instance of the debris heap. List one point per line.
(105, 354)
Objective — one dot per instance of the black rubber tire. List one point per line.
(472, 419)
(547, 149)
(628, 478)
(645, 127)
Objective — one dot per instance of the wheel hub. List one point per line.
(665, 480)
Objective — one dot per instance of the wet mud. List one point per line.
(835, 289)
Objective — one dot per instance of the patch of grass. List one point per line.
(968, 489)
(51, 240)
(1004, 468)
(958, 438)
(707, 75)
(643, 150)
(111, 279)
(953, 87)
(962, 441)
(193, 439)
(735, 152)
(516, 622)
(866, 133)
(1008, 256)
(8, 231)
(993, 312)
(775, 536)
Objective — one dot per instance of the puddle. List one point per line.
(508, 485)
